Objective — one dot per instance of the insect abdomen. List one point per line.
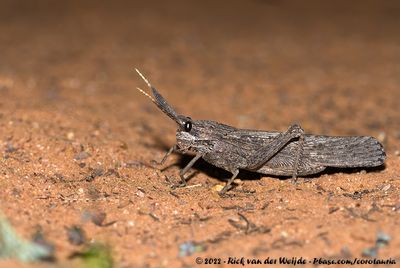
(362, 151)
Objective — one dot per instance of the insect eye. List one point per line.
(188, 126)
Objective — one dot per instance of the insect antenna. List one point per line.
(148, 84)
(159, 100)
(146, 94)
(144, 78)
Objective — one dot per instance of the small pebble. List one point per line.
(386, 187)
(370, 252)
(10, 148)
(82, 155)
(39, 238)
(98, 217)
(382, 239)
(96, 172)
(217, 187)
(140, 194)
(70, 135)
(188, 248)
(76, 235)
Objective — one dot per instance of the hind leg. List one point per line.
(266, 153)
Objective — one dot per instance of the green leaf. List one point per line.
(96, 256)
(13, 246)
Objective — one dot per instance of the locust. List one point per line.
(290, 153)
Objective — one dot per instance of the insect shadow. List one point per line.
(331, 170)
(223, 175)
(200, 165)
(215, 172)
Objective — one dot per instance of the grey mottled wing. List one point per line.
(318, 152)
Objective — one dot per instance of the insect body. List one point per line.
(290, 153)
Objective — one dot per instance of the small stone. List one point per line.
(140, 193)
(217, 187)
(98, 217)
(81, 156)
(370, 252)
(382, 239)
(188, 248)
(96, 172)
(10, 148)
(284, 234)
(123, 145)
(39, 238)
(70, 135)
(76, 235)
(386, 187)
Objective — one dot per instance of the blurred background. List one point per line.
(334, 66)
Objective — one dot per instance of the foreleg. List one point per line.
(185, 169)
(170, 151)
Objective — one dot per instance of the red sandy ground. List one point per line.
(67, 85)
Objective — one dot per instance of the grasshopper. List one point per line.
(290, 153)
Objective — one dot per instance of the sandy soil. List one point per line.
(77, 138)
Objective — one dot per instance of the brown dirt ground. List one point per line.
(67, 85)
